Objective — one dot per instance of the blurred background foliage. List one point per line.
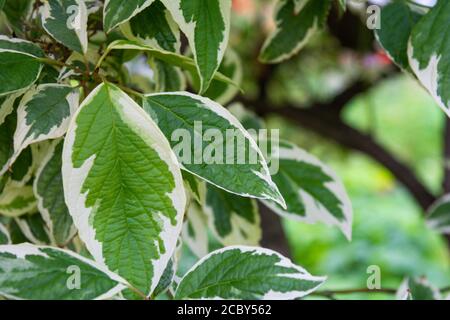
(389, 228)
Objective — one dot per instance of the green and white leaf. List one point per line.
(167, 77)
(397, 22)
(429, 53)
(246, 273)
(48, 188)
(22, 170)
(116, 12)
(172, 58)
(4, 235)
(297, 21)
(123, 187)
(16, 201)
(17, 11)
(312, 191)
(166, 279)
(34, 229)
(44, 113)
(438, 217)
(20, 66)
(232, 68)
(195, 232)
(47, 273)
(206, 24)
(417, 289)
(251, 121)
(8, 120)
(154, 27)
(234, 220)
(66, 22)
(182, 117)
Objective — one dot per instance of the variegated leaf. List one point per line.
(48, 188)
(44, 113)
(20, 65)
(312, 191)
(246, 273)
(123, 187)
(438, 216)
(116, 12)
(4, 235)
(195, 230)
(66, 22)
(206, 24)
(40, 273)
(297, 21)
(154, 27)
(234, 220)
(16, 201)
(429, 53)
(210, 153)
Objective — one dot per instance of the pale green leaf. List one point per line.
(123, 187)
(167, 77)
(47, 273)
(246, 273)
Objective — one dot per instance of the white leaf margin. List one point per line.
(434, 223)
(73, 180)
(46, 216)
(21, 251)
(222, 112)
(174, 7)
(135, 12)
(82, 15)
(315, 212)
(283, 262)
(5, 231)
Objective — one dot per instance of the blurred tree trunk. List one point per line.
(274, 236)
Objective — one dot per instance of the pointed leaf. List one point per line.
(397, 21)
(312, 191)
(116, 12)
(154, 27)
(20, 67)
(438, 217)
(296, 22)
(206, 24)
(66, 22)
(234, 220)
(33, 227)
(50, 270)
(182, 117)
(4, 235)
(48, 188)
(246, 273)
(123, 187)
(429, 53)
